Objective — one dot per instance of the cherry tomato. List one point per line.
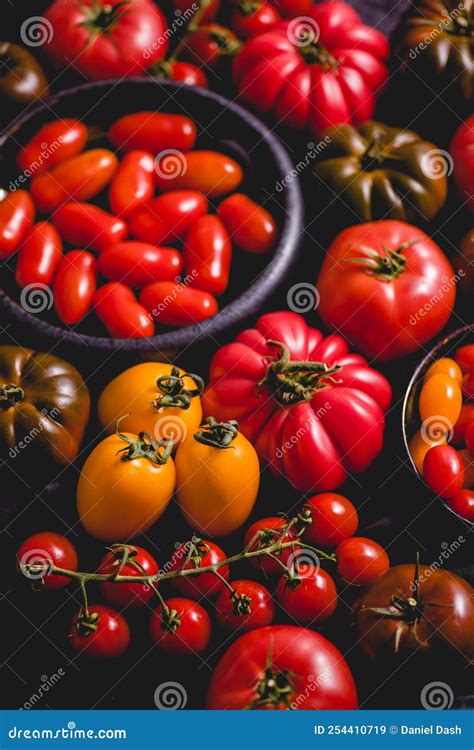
(52, 144)
(133, 183)
(139, 563)
(192, 634)
(168, 217)
(443, 470)
(186, 5)
(210, 43)
(85, 225)
(445, 366)
(209, 172)
(250, 606)
(47, 548)
(361, 560)
(250, 226)
(334, 518)
(204, 553)
(467, 461)
(208, 255)
(421, 443)
(176, 304)
(39, 255)
(465, 418)
(153, 131)
(79, 178)
(74, 286)
(441, 400)
(468, 385)
(185, 72)
(293, 8)
(269, 531)
(253, 17)
(310, 599)
(116, 306)
(463, 503)
(469, 437)
(17, 213)
(138, 263)
(101, 633)
(465, 357)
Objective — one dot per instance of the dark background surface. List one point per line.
(394, 506)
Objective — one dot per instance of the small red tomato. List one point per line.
(250, 226)
(191, 633)
(168, 217)
(79, 178)
(206, 584)
(211, 43)
(310, 599)
(250, 606)
(74, 286)
(17, 213)
(138, 263)
(139, 563)
(334, 518)
(207, 172)
(185, 6)
(176, 304)
(185, 72)
(154, 132)
(361, 560)
(465, 418)
(467, 461)
(468, 385)
(293, 8)
(469, 438)
(463, 503)
(46, 549)
(208, 254)
(52, 144)
(39, 255)
(116, 306)
(465, 357)
(88, 226)
(253, 17)
(269, 531)
(133, 183)
(443, 470)
(101, 633)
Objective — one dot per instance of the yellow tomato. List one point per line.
(440, 402)
(217, 487)
(157, 398)
(420, 445)
(446, 366)
(119, 495)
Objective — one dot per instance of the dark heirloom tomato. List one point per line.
(17, 213)
(168, 217)
(43, 396)
(133, 183)
(53, 143)
(22, 79)
(209, 172)
(462, 151)
(175, 304)
(376, 172)
(314, 410)
(116, 306)
(316, 71)
(138, 264)
(282, 666)
(153, 131)
(86, 225)
(253, 17)
(74, 286)
(39, 256)
(208, 254)
(209, 44)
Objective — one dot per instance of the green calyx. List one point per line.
(217, 434)
(144, 447)
(87, 623)
(388, 266)
(101, 18)
(174, 391)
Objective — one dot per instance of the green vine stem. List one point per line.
(143, 447)
(217, 434)
(174, 392)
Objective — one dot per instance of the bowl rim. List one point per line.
(239, 309)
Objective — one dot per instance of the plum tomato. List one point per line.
(184, 630)
(269, 530)
(88, 226)
(133, 183)
(100, 633)
(421, 443)
(247, 607)
(138, 264)
(74, 286)
(445, 366)
(333, 519)
(440, 402)
(463, 504)
(117, 307)
(176, 304)
(469, 438)
(208, 172)
(465, 418)
(52, 144)
(46, 548)
(443, 470)
(468, 385)
(198, 553)
(361, 560)
(465, 357)
(153, 132)
(207, 255)
(168, 217)
(17, 213)
(309, 599)
(467, 461)
(250, 226)
(139, 563)
(39, 255)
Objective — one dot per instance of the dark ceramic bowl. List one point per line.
(222, 125)
(410, 417)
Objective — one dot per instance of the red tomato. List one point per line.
(465, 357)
(138, 263)
(133, 183)
(468, 385)
(116, 306)
(168, 217)
(140, 563)
(279, 667)
(334, 519)
(467, 461)
(251, 227)
(210, 43)
(176, 304)
(101, 633)
(74, 286)
(269, 531)
(463, 503)
(79, 178)
(465, 418)
(253, 17)
(186, 5)
(52, 144)
(206, 584)
(389, 272)
(309, 600)
(319, 70)
(39, 255)
(293, 8)
(208, 254)
(469, 437)
(192, 634)
(153, 131)
(462, 151)
(185, 72)
(85, 225)
(208, 172)
(250, 606)
(361, 560)
(46, 549)
(17, 213)
(106, 38)
(443, 470)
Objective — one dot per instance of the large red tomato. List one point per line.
(462, 151)
(313, 410)
(282, 666)
(315, 71)
(106, 38)
(387, 287)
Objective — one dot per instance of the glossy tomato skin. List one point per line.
(168, 217)
(208, 255)
(176, 304)
(53, 143)
(302, 654)
(209, 14)
(39, 256)
(269, 529)
(88, 226)
(421, 443)
(463, 504)
(153, 132)
(128, 594)
(468, 386)
(205, 584)
(17, 213)
(138, 264)
(465, 418)
(108, 641)
(116, 306)
(333, 519)
(353, 296)
(311, 600)
(440, 401)
(250, 226)
(462, 151)
(444, 366)
(133, 183)
(74, 286)
(361, 560)
(293, 8)
(262, 607)
(210, 44)
(469, 438)
(465, 357)
(187, 73)
(248, 24)
(192, 635)
(208, 172)
(48, 547)
(443, 470)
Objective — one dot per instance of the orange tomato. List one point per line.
(208, 172)
(440, 401)
(420, 444)
(445, 366)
